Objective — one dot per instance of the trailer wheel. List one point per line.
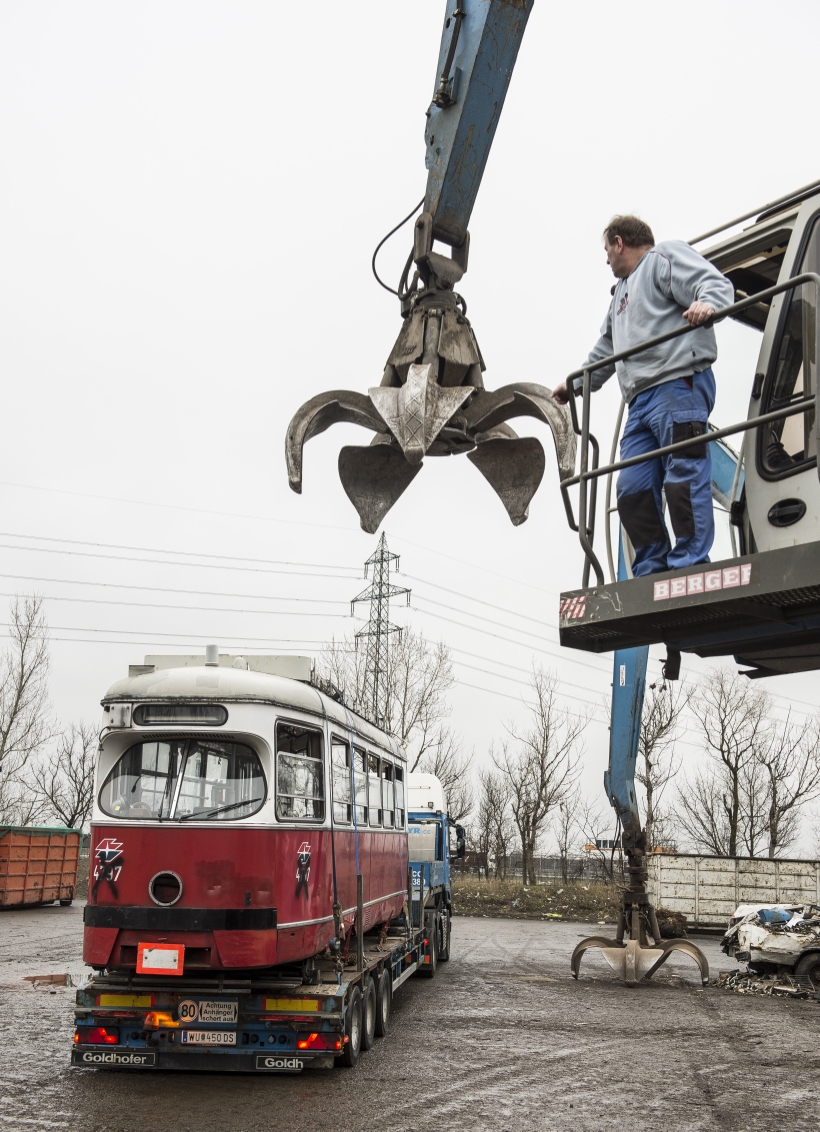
(809, 968)
(66, 903)
(384, 1002)
(353, 1029)
(428, 970)
(368, 1013)
(444, 948)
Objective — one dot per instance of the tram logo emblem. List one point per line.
(108, 866)
(108, 855)
(302, 867)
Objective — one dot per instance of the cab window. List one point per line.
(300, 793)
(185, 780)
(789, 445)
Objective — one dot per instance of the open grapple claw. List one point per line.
(634, 960)
(432, 402)
(639, 955)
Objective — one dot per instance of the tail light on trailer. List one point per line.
(97, 1035)
(319, 1041)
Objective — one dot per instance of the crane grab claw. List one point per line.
(421, 417)
(633, 960)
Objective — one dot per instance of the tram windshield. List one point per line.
(185, 780)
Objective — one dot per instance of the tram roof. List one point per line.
(235, 685)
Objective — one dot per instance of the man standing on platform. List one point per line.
(670, 389)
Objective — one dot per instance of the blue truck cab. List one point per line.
(433, 841)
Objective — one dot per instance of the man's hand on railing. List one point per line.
(561, 393)
(699, 313)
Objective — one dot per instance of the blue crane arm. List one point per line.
(479, 46)
(629, 677)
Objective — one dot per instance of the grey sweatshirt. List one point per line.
(651, 301)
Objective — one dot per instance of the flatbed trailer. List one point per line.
(272, 1022)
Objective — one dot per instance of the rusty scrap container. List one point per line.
(38, 864)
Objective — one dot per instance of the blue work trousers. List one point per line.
(665, 414)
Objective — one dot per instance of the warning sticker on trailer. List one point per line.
(215, 1011)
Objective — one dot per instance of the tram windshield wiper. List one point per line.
(219, 810)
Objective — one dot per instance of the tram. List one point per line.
(235, 807)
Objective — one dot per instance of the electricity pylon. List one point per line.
(379, 629)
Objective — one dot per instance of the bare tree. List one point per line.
(656, 759)
(495, 830)
(446, 760)
(25, 721)
(420, 674)
(541, 770)
(701, 813)
(597, 826)
(733, 716)
(565, 827)
(790, 767)
(64, 781)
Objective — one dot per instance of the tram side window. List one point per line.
(399, 797)
(360, 777)
(789, 444)
(388, 804)
(300, 790)
(375, 789)
(342, 792)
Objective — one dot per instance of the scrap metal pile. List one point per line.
(781, 986)
(780, 944)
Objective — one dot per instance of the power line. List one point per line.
(172, 506)
(167, 562)
(181, 553)
(478, 601)
(174, 590)
(195, 608)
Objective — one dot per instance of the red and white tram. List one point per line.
(235, 805)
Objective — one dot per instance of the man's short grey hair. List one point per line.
(634, 232)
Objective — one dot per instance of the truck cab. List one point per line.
(432, 836)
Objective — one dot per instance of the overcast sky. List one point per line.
(190, 194)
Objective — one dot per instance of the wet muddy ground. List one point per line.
(503, 1038)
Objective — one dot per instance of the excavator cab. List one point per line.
(762, 604)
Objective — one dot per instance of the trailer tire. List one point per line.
(808, 967)
(67, 903)
(444, 948)
(384, 1001)
(368, 1013)
(428, 970)
(353, 1030)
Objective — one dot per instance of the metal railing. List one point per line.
(589, 474)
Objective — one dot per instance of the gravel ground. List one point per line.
(503, 1038)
